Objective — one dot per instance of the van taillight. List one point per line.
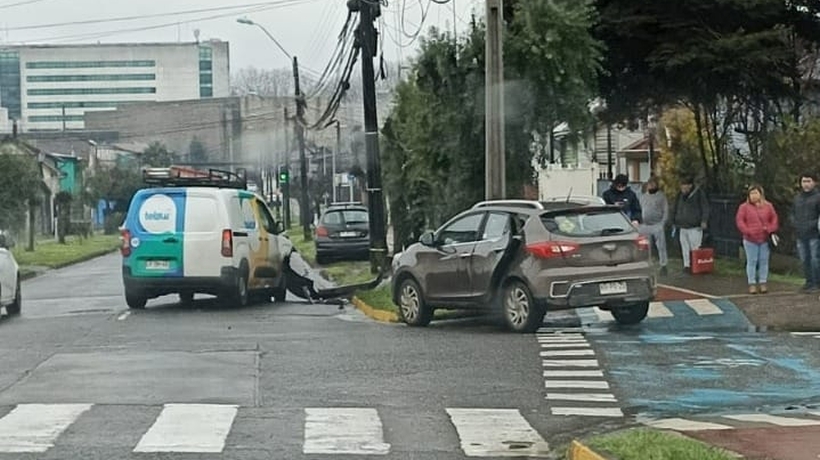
(643, 243)
(321, 231)
(227, 243)
(552, 249)
(125, 249)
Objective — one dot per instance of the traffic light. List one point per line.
(283, 175)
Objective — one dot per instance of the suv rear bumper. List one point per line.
(157, 286)
(587, 294)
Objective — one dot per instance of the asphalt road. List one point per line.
(82, 377)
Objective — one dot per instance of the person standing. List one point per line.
(690, 216)
(655, 214)
(620, 194)
(757, 221)
(805, 217)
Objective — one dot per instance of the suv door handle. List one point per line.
(499, 249)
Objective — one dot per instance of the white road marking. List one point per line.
(704, 307)
(347, 430)
(553, 353)
(570, 363)
(680, 424)
(589, 397)
(561, 338)
(687, 291)
(604, 315)
(587, 384)
(565, 345)
(497, 433)
(572, 373)
(773, 419)
(588, 411)
(35, 427)
(658, 310)
(123, 316)
(195, 428)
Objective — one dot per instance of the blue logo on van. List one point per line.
(156, 215)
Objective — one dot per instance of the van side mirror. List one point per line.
(428, 239)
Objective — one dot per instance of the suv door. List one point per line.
(447, 265)
(489, 252)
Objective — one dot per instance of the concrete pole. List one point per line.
(495, 168)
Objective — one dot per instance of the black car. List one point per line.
(342, 233)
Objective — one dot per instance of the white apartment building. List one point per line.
(51, 87)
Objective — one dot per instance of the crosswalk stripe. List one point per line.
(193, 428)
(680, 424)
(587, 384)
(570, 363)
(553, 353)
(590, 397)
(588, 411)
(573, 373)
(489, 432)
(658, 310)
(773, 419)
(35, 427)
(565, 345)
(344, 430)
(604, 315)
(561, 338)
(704, 307)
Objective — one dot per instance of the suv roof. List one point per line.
(548, 203)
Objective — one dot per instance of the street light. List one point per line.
(248, 22)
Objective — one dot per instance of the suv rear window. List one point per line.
(346, 216)
(590, 223)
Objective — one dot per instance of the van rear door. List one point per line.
(155, 225)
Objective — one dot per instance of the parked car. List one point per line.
(203, 234)
(10, 294)
(525, 261)
(343, 232)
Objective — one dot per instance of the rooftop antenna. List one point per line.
(569, 195)
(196, 35)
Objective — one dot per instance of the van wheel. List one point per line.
(521, 314)
(15, 307)
(279, 294)
(241, 296)
(135, 301)
(632, 314)
(413, 311)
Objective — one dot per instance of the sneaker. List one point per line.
(763, 288)
(752, 289)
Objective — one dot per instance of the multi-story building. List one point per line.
(51, 87)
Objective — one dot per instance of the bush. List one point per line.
(113, 222)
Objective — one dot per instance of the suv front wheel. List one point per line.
(521, 313)
(632, 314)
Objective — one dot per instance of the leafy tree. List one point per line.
(157, 156)
(20, 186)
(196, 151)
(116, 187)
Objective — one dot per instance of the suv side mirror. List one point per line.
(427, 239)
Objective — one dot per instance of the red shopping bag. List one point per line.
(703, 260)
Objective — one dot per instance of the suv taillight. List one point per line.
(227, 243)
(552, 249)
(125, 249)
(643, 243)
(321, 231)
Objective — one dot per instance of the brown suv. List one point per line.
(527, 259)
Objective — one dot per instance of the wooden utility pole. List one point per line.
(285, 185)
(494, 161)
(367, 39)
(304, 201)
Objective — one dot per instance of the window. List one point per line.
(74, 105)
(497, 226)
(267, 220)
(79, 91)
(590, 223)
(205, 66)
(464, 230)
(46, 118)
(112, 77)
(206, 77)
(87, 64)
(10, 95)
(332, 218)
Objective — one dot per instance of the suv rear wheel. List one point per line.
(521, 314)
(632, 314)
(413, 311)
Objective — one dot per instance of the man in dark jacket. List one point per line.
(621, 195)
(690, 215)
(805, 217)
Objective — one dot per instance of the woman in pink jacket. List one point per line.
(756, 220)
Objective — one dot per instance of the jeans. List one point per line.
(655, 232)
(757, 262)
(809, 251)
(690, 238)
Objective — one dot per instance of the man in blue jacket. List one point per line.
(621, 195)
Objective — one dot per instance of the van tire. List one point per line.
(135, 301)
(241, 295)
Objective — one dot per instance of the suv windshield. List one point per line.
(347, 216)
(580, 223)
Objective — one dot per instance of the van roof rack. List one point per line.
(175, 176)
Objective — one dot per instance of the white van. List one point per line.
(201, 235)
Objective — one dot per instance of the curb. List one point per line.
(379, 315)
(578, 451)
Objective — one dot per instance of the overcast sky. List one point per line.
(306, 28)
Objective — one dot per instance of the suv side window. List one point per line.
(464, 230)
(267, 220)
(498, 224)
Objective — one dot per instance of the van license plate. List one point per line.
(612, 288)
(348, 234)
(157, 265)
